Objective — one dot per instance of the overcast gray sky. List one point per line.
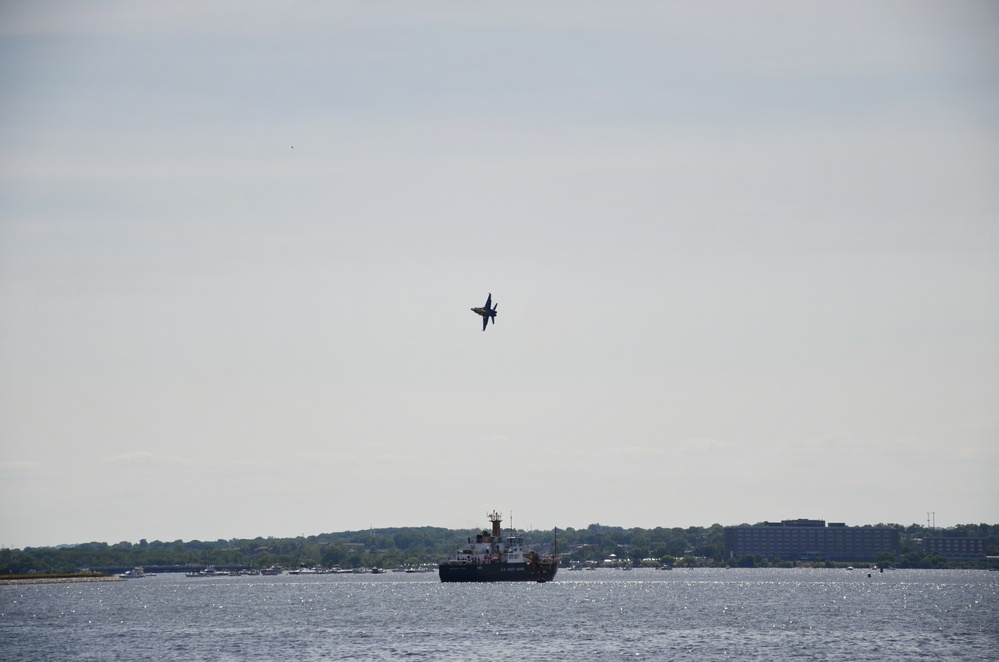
(746, 257)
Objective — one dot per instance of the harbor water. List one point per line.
(605, 614)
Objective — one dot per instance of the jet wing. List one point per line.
(485, 322)
(489, 300)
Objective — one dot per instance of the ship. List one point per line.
(493, 557)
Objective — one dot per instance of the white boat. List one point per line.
(210, 571)
(303, 570)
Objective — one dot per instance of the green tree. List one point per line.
(885, 559)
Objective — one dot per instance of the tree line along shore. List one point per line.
(416, 546)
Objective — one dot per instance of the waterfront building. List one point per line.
(955, 548)
(810, 540)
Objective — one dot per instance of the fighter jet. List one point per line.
(487, 312)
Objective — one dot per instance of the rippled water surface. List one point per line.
(702, 614)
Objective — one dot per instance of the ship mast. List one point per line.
(496, 518)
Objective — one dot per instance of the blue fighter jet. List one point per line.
(487, 312)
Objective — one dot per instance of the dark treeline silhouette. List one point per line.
(396, 547)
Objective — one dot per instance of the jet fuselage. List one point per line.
(487, 312)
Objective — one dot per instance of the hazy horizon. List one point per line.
(746, 262)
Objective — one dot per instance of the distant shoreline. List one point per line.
(64, 579)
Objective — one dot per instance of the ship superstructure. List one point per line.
(493, 557)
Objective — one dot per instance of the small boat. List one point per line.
(134, 573)
(303, 570)
(210, 571)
